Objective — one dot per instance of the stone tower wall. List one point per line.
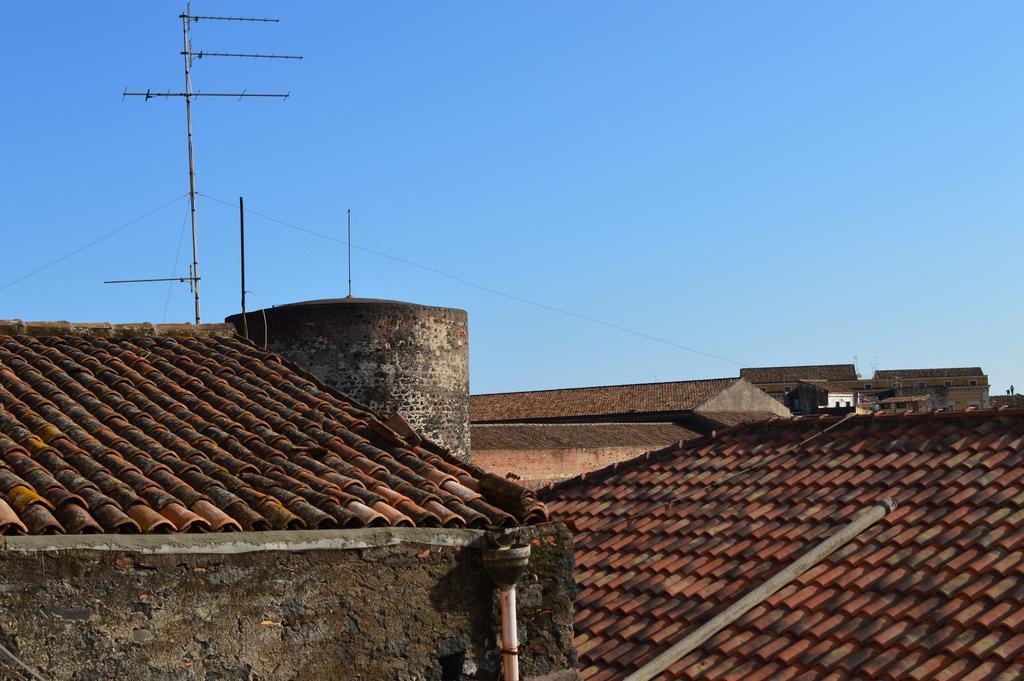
(391, 356)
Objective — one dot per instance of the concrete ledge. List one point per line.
(248, 542)
(14, 327)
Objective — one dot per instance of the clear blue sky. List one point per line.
(774, 183)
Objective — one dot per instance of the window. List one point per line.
(847, 403)
(947, 383)
(972, 382)
(922, 385)
(867, 386)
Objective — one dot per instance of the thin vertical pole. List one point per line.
(241, 229)
(191, 156)
(349, 252)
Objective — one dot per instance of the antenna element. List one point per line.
(187, 19)
(349, 252)
(241, 228)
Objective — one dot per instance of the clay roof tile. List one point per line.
(935, 586)
(127, 428)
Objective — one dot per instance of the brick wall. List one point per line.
(536, 467)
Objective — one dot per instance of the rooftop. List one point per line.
(827, 372)
(666, 397)
(177, 428)
(935, 589)
(900, 399)
(929, 373)
(829, 386)
(513, 436)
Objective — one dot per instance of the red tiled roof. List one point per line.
(511, 436)
(827, 372)
(670, 397)
(172, 429)
(724, 419)
(929, 373)
(1007, 400)
(829, 386)
(666, 541)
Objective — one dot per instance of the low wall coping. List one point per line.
(248, 542)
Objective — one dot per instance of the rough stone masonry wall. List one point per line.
(391, 356)
(405, 612)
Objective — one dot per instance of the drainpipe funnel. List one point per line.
(506, 565)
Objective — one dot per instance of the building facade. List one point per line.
(537, 437)
(948, 388)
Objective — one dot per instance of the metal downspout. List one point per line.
(505, 565)
(863, 520)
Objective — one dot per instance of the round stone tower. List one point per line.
(394, 357)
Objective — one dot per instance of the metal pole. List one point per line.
(349, 252)
(241, 228)
(191, 156)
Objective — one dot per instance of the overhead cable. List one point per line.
(481, 287)
(91, 243)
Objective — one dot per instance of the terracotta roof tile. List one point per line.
(640, 398)
(518, 436)
(933, 590)
(828, 386)
(155, 429)
(815, 372)
(929, 373)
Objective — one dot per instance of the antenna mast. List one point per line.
(187, 19)
(349, 252)
(187, 51)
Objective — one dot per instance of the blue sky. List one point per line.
(772, 183)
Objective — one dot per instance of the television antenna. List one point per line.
(188, 94)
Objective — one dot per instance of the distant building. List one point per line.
(777, 381)
(957, 388)
(896, 404)
(1015, 401)
(812, 397)
(548, 435)
(948, 388)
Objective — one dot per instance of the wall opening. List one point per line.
(451, 666)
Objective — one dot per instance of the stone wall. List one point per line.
(391, 356)
(393, 604)
(743, 396)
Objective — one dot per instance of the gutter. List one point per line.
(860, 522)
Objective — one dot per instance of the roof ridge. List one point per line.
(575, 424)
(781, 422)
(646, 457)
(17, 327)
(617, 385)
(804, 366)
